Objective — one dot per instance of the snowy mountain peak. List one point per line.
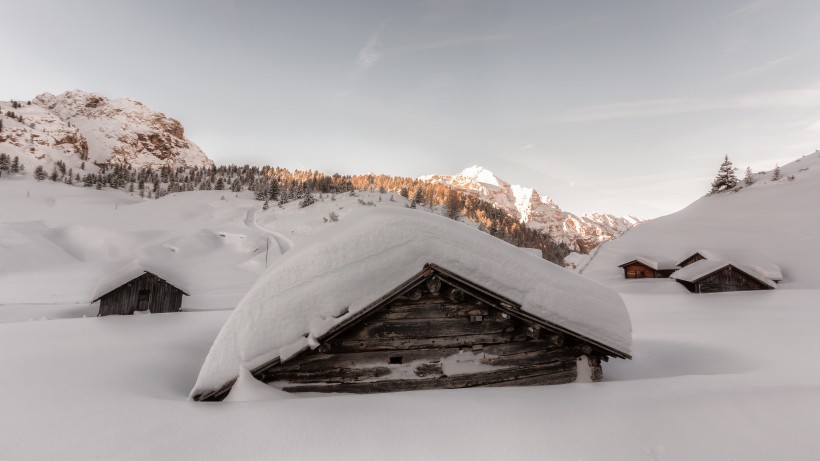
(77, 126)
(528, 206)
(479, 174)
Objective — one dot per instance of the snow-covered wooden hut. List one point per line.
(710, 276)
(719, 270)
(748, 258)
(133, 288)
(399, 299)
(642, 267)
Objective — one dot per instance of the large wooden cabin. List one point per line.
(135, 289)
(437, 330)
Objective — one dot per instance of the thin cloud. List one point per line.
(768, 66)
(454, 42)
(369, 54)
(814, 127)
(802, 97)
(749, 8)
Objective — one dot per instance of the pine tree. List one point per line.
(453, 203)
(273, 190)
(220, 184)
(776, 173)
(15, 164)
(748, 180)
(39, 174)
(308, 201)
(266, 205)
(725, 179)
(4, 162)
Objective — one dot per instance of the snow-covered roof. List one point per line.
(743, 257)
(657, 265)
(704, 267)
(132, 270)
(352, 264)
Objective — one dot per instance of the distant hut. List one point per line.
(400, 300)
(134, 288)
(743, 258)
(709, 276)
(641, 267)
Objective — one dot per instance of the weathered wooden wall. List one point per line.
(436, 336)
(162, 297)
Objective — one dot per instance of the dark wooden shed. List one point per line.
(705, 276)
(424, 333)
(135, 289)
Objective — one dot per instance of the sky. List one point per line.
(625, 107)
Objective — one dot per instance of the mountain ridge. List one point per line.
(580, 233)
(77, 126)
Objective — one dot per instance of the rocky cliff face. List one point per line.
(580, 233)
(77, 126)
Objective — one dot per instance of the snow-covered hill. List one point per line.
(76, 126)
(580, 233)
(778, 219)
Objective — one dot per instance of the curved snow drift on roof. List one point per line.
(342, 270)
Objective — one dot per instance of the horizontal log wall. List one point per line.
(413, 342)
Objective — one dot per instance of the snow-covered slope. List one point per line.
(580, 233)
(717, 376)
(777, 219)
(76, 125)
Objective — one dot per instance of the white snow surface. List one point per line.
(345, 269)
(726, 376)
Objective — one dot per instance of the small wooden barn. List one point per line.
(641, 267)
(134, 288)
(748, 258)
(348, 314)
(709, 276)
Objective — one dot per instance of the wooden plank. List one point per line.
(556, 373)
(428, 328)
(532, 357)
(316, 360)
(381, 344)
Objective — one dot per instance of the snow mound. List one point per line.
(250, 389)
(344, 269)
